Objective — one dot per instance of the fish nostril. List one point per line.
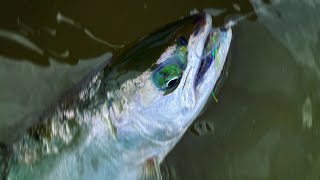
(182, 41)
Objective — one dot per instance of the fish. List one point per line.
(122, 119)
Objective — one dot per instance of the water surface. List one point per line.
(265, 124)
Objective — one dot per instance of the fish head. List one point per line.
(184, 62)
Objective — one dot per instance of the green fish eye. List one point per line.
(167, 77)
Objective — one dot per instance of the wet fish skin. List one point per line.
(121, 121)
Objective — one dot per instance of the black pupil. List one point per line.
(172, 82)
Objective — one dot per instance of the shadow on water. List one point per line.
(265, 123)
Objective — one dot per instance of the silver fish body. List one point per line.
(121, 122)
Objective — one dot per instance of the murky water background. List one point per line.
(266, 122)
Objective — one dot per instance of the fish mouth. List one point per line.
(212, 60)
(208, 56)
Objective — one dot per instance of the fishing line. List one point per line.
(229, 24)
(232, 23)
(258, 10)
(214, 97)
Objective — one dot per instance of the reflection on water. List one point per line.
(265, 124)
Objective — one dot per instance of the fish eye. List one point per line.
(172, 82)
(167, 75)
(167, 78)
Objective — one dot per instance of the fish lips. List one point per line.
(202, 72)
(211, 63)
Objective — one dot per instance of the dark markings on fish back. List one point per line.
(70, 100)
(42, 130)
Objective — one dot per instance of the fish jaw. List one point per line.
(212, 75)
(196, 88)
(195, 47)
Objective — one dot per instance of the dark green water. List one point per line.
(266, 123)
